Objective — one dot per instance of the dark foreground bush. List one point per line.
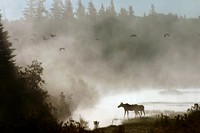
(187, 123)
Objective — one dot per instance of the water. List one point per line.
(107, 112)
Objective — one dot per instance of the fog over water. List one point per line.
(107, 112)
(114, 59)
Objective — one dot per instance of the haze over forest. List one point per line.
(101, 52)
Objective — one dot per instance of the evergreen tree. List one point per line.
(0, 17)
(30, 10)
(111, 9)
(152, 10)
(68, 10)
(102, 11)
(22, 101)
(80, 13)
(41, 12)
(7, 65)
(57, 10)
(130, 11)
(9, 95)
(63, 109)
(92, 11)
(123, 12)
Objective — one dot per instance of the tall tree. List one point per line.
(68, 10)
(57, 10)
(80, 13)
(63, 108)
(0, 17)
(92, 12)
(152, 10)
(41, 12)
(102, 11)
(123, 12)
(130, 11)
(111, 9)
(30, 10)
(7, 65)
(9, 95)
(22, 101)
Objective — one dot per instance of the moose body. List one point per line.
(138, 109)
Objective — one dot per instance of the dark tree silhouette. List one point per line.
(7, 65)
(22, 100)
(10, 104)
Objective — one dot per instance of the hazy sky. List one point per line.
(12, 9)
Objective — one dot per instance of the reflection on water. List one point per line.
(107, 112)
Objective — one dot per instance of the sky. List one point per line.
(12, 10)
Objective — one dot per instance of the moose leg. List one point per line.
(144, 112)
(136, 113)
(124, 113)
(140, 113)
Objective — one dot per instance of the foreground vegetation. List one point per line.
(188, 122)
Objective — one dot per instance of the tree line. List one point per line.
(59, 10)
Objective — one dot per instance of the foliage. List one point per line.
(22, 105)
(62, 106)
(68, 10)
(187, 123)
(56, 10)
(80, 13)
(30, 11)
(92, 11)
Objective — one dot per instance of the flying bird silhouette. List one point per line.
(133, 35)
(62, 49)
(44, 38)
(32, 40)
(166, 35)
(15, 39)
(52, 35)
(97, 39)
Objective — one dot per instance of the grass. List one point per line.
(135, 125)
(187, 123)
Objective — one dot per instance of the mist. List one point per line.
(115, 59)
(94, 57)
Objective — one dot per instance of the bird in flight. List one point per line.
(97, 39)
(15, 39)
(62, 49)
(44, 38)
(166, 35)
(32, 40)
(52, 35)
(133, 35)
